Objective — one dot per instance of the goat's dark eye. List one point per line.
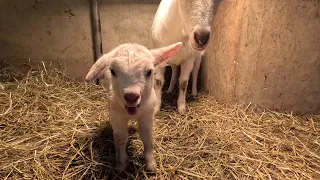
(112, 72)
(149, 73)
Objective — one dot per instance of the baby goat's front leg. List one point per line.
(120, 133)
(146, 134)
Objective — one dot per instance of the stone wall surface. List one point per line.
(59, 32)
(266, 53)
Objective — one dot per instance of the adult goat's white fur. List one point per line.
(127, 74)
(187, 21)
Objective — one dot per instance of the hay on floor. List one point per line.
(54, 128)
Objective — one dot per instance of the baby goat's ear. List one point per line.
(101, 64)
(165, 53)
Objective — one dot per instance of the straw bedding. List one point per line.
(52, 127)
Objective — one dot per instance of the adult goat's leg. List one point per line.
(195, 71)
(186, 68)
(174, 78)
(158, 85)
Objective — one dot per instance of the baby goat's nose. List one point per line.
(131, 97)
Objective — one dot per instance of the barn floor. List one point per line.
(54, 128)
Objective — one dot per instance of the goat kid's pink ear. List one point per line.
(165, 53)
(101, 64)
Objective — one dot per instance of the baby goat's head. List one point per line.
(130, 70)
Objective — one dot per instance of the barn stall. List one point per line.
(257, 116)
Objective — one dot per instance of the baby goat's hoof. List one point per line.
(182, 109)
(169, 91)
(150, 163)
(156, 110)
(121, 166)
(151, 166)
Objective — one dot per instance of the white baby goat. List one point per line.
(188, 21)
(128, 71)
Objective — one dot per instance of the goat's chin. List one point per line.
(132, 110)
(195, 47)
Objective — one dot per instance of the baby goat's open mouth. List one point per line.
(132, 110)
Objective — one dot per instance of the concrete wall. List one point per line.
(50, 31)
(126, 21)
(267, 53)
(59, 31)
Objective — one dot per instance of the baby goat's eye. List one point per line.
(149, 73)
(112, 72)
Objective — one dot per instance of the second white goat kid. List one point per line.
(128, 71)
